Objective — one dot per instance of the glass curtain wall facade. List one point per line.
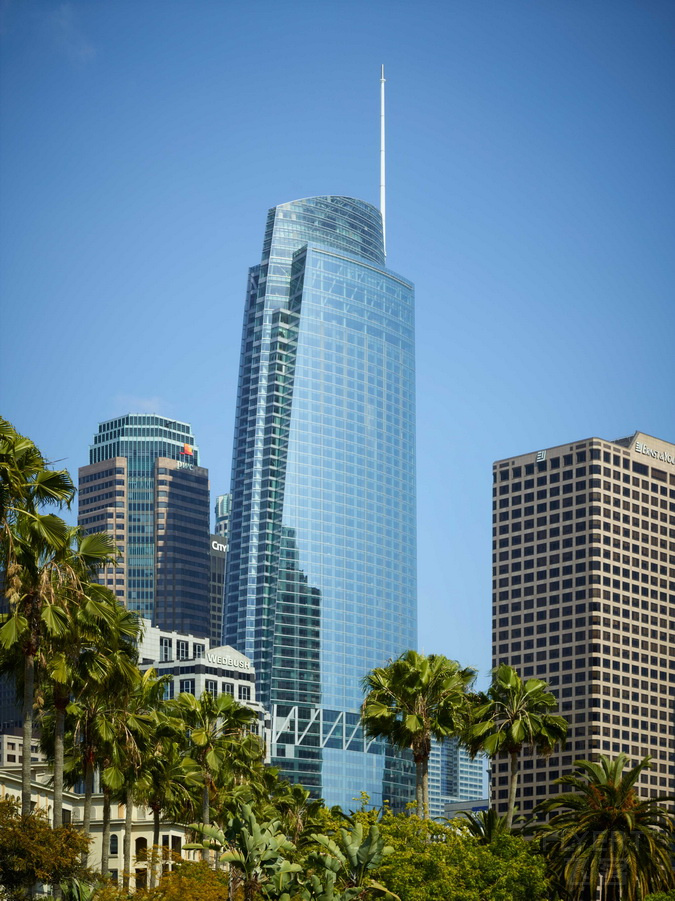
(222, 512)
(321, 575)
(454, 776)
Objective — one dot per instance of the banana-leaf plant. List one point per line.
(257, 854)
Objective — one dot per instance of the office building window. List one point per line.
(165, 649)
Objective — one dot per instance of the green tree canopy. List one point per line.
(32, 851)
(436, 862)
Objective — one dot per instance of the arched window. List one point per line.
(114, 844)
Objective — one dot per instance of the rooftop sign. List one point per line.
(642, 448)
(224, 657)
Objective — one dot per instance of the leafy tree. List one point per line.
(26, 482)
(512, 715)
(412, 699)
(29, 540)
(32, 851)
(603, 833)
(187, 881)
(434, 861)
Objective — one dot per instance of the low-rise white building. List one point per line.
(11, 750)
(195, 667)
(172, 837)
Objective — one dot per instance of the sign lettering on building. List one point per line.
(656, 455)
(228, 660)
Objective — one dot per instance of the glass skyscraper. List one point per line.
(454, 776)
(321, 574)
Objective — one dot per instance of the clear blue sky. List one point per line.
(530, 171)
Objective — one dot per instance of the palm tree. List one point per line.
(105, 668)
(86, 669)
(26, 483)
(602, 833)
(75, 646)
(28, 540)
(484, 825)
(167, 780)
(128, 731)
(297, 809)
(217, 737)
(412, 699)
(512, 715)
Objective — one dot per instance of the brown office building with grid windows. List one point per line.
(144, 486)
(584, 598)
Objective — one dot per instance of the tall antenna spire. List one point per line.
(383, 200)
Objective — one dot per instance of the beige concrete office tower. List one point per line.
(584, 597)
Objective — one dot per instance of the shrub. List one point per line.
(32, 851)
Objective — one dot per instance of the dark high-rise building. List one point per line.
(144, 485)
(217, 561)
(584, 598)
(321, 575)
(222, 509)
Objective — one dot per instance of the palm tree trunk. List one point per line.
(105, 838)
(425, 786)
(155, 846)
(129, 806)
(513, 785)
(419, 789)
(27, 715)
(59, 730)
(205, 815)
(88, 792)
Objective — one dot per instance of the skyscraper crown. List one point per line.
(343, 223)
